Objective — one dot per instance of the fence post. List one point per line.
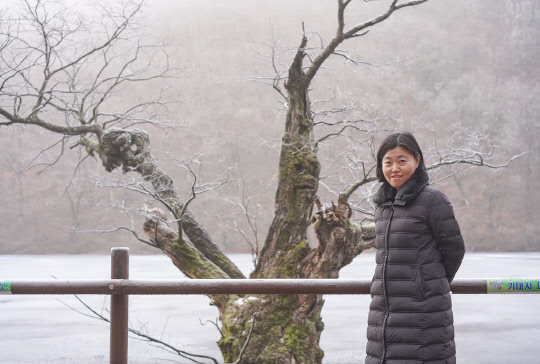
(119, 308)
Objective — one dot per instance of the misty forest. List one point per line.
(200, 129)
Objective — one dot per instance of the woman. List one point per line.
(419, 250)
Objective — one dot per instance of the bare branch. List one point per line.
(355, 31)
(393, 7)
(96, 315)
(247, 340)
(338, 133)
(215, 323)
(119, 228)
(479, 162)
(349, 191)
(66, 130)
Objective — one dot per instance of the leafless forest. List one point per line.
(460, 74)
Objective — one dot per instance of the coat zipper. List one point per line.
(387, 311)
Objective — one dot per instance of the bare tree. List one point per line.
(61, 74)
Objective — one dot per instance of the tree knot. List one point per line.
(124, 148)
(332, 215)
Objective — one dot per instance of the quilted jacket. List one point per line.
(419, 250)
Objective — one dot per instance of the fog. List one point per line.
(433, 69)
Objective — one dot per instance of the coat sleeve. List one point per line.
(446, 231)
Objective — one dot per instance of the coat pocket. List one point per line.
(418, 281)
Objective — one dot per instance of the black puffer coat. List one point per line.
(419, 250)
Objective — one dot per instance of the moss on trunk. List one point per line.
(282, 333)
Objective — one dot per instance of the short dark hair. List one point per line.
(405, 140)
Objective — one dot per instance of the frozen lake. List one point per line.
(41, 329)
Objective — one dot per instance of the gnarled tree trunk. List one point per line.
(289, 327)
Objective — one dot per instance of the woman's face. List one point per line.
(398, 166)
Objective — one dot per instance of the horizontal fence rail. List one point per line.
(120, 287)
(246, 286)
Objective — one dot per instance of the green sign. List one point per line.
(5, 287)
(515, 285)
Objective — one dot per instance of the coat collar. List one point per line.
(409, 190)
